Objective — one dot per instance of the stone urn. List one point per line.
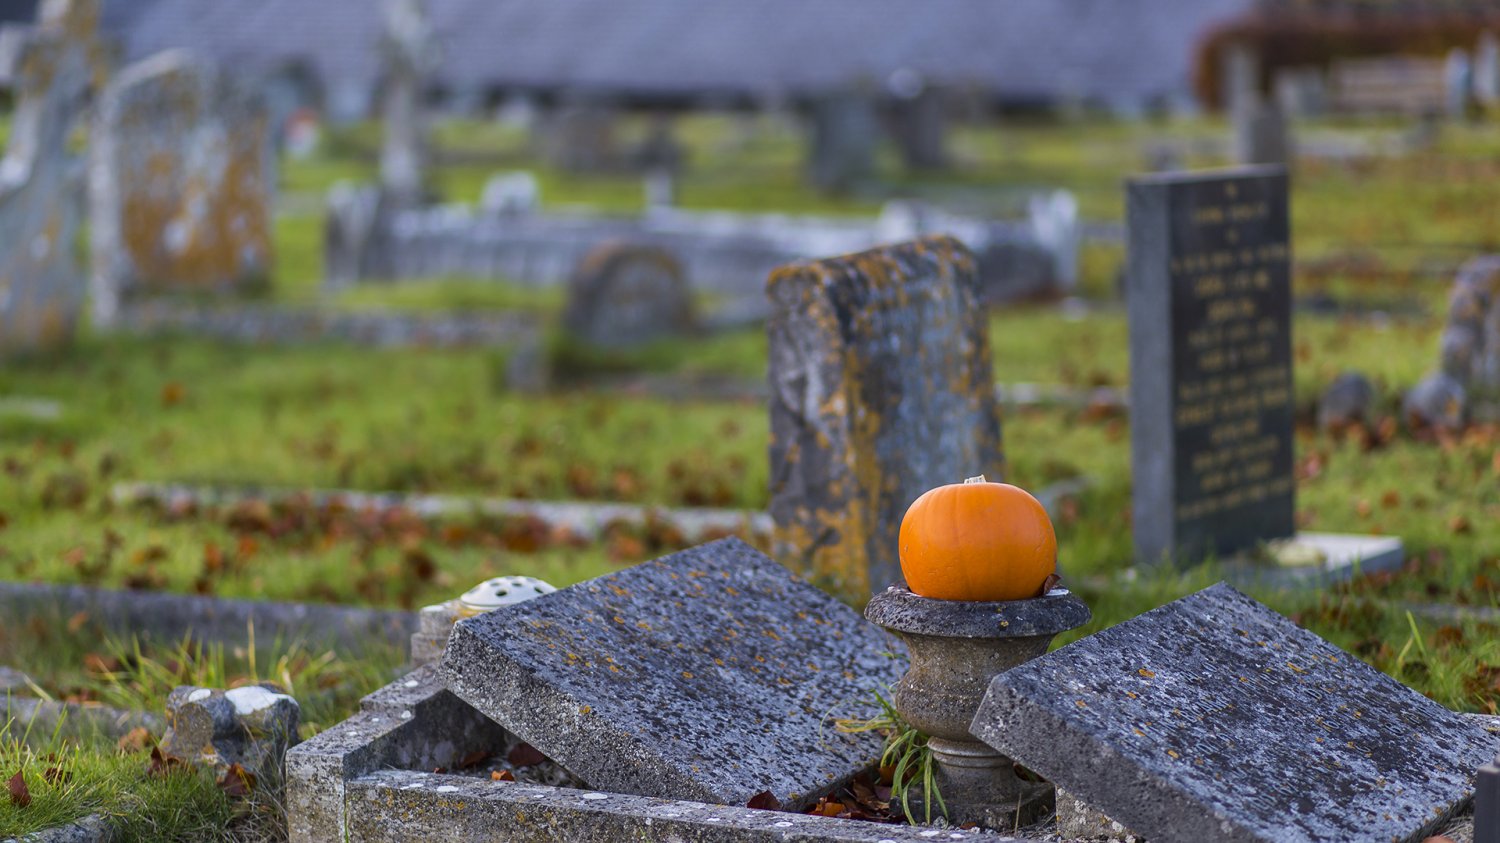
(956, 648)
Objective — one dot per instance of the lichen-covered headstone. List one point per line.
(881, 388)
(41, 289)
(181, 179)
(707, 675)
(625, 294)
(1214, 718)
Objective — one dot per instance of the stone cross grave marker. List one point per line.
(181, 178)
(709, 675)
(410, 53)
(60, 61)
(1209, 299)
(881, 388)
(1214, 718)
(625, 294)
(1471, 336)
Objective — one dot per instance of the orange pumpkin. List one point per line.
(977, 541)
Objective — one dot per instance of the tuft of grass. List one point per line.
(907, 753)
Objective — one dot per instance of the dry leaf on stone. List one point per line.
(764, 801)
(473, 759)
(236, 781)
(20, 795)
(525, 755)
(502, 776)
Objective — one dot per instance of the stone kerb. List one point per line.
(369, 778)
(181, 178)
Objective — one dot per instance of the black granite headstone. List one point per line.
(707, 675)
(1209, 296)
(1214, 718)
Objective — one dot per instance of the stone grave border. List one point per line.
(347, 783)
(281, 324)
(163, 615)
(585, 518)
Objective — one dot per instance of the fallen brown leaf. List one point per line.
(20, 795)
(525, 755)
(764, 801)
(135, 740)
(502, 776)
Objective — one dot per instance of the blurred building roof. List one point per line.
(1105, 51)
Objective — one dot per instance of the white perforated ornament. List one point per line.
(500, 591)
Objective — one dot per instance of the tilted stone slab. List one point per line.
(1214, 718)
(709, 674)
(881, 388)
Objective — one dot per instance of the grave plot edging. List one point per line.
(404, 807)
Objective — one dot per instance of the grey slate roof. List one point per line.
(1108, 50)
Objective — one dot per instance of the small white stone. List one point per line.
(955, 836)
(406, 715)
(447, 788)
(715, 819)
(411, 683)
(252, 698)
(930, 833)
(596, 796)
(783, 824)
(200, 694)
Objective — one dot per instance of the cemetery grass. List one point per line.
(190, 411)
(75, 770)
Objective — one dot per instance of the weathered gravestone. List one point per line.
(1209, 298)
(844, 134)
(704, 675)
(1214, 718)
(880, 390)
(1471, 337)
(625, 294)
(410, 54)
(181, 179)
(41, 290)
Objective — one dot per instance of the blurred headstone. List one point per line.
(410, 54)
(625, 294)
(181, 176)
(1471, 335)
(1458, 81)
(1300, 92)
(510, 194)
(844, 132)
(581, 138)
(1260, 135)
(920, 121)
(1487, 70)
(59, 63)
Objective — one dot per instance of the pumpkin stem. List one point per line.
(979, 479)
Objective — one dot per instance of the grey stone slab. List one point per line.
(1343, 556)
(411, 724)
(709, 674)
(182, 178)
(1209, 299)
(278, 325)
(94, 828)
(401, 807)
(59, 64)
(881, 388)
(1214, 718)
(43, 717)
